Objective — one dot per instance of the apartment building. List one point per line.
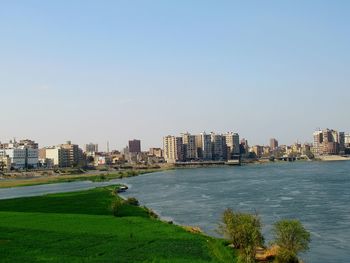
(189, 144)
(173, 149)
(232, 144)
(20, 155)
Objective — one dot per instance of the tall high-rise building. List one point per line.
(328, 141)
(232, 144)
(74, 153)
(134, 146)
(199, 147)
(244, 147)
(91, 148)
(347, 140)
(206, 146)
(218, 144)
(173, 149)
(317, 144)
(341, 142)
(273, 144)
(189, 143)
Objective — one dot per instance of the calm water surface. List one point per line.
(316, 193)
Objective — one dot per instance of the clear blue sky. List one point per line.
(116, 70)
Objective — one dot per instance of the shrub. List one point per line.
(292, 238)
(244, 231)
(132, 201)
(285, 256)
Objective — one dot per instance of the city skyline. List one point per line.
(138, 145)
(120, 70)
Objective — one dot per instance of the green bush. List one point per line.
(285, 256)
(244, 231)
(292, 238)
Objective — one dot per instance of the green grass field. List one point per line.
(80, 227)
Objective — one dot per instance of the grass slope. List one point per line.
(79, 227)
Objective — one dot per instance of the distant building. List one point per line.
(347, 140)
(157, 152)
(218, 144)
(189, 144)
(91, 149)
(232, 144)
(317, 142)
(135, 146)
(258, 150)
(199, 146)
(5, 162)
(206, 146)
(75, 154)
(63, 155)
(57, 155)
(20, 155)
(28, 144)
(173, 149)
(328, 142)
(244, 147)
(273, 144)
(341, 143)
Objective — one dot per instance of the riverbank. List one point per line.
(100, 177)
(73, 226)
(330, 158)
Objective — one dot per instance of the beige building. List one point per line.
(173, 149)
(74, 153)
(157, 152)
(5, 162)
(58, 156)
(258, 150)
(189, 143)
(63, 155)
(328, 142)
(232, 144)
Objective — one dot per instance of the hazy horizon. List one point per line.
(98, 71)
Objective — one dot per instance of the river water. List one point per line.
(316, 193)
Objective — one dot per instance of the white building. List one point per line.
(22, 157)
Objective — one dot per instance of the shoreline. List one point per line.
(104, 176)
(100, 177)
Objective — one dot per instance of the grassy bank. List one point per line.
(105, 176)
(80, 227)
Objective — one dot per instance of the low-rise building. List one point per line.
(22, 155)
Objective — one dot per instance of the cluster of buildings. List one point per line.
(277, 151)
(201, 147)
(330, 142)
(131, 154)
(63, 155)
(19, 155)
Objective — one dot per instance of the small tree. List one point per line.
(244, 231)
(292, 238)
